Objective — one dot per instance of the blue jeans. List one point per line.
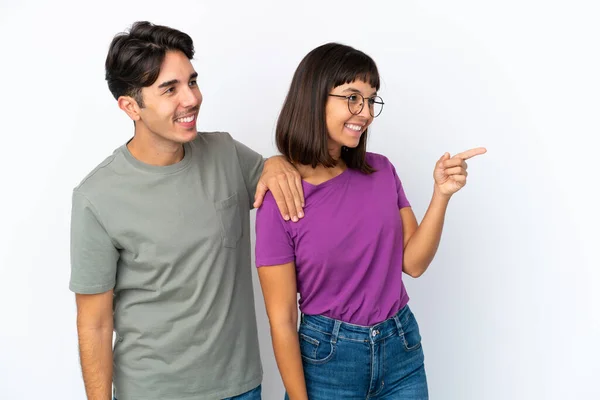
(347, 361)
(254, 394)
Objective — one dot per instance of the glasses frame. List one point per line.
(362, 104)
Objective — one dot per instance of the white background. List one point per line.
(509, 307)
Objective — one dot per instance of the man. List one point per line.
(160, 238)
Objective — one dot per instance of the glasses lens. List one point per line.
(376, 105)
(355, 103)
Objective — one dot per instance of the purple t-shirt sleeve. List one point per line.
(402, 200)
(274, 245)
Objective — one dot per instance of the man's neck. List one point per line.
(153, 150)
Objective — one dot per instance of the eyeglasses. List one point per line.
(356, 103)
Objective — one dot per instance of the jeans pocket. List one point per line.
(315, 347)
(228, 211)
(308, 346)
(410, 332)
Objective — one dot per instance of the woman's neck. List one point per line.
(320, 173)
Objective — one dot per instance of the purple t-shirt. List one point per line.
(348, 247)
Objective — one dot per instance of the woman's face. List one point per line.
(344, 127)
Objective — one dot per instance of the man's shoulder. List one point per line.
(101, 177)
(213, 148)
(213, 139)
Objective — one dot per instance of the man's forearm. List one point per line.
(95, 351)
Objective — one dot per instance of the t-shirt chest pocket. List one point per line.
(228, 211)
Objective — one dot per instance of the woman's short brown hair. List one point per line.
(301, 132)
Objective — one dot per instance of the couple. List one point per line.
(160, 239)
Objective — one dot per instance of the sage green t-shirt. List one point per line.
(174, 244)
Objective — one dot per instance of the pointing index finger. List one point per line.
(465, 155)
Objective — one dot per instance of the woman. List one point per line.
(357, 338)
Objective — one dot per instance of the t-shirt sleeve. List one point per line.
(274, 244)
(252, 165)
(402, 200)
(93, 254)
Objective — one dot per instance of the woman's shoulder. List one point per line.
(268, 206)
(377, 161)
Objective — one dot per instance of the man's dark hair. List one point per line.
(134, 58)
(301, 132)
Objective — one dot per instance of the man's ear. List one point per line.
(130, 106)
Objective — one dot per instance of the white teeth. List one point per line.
(356, 128)
(186, 119)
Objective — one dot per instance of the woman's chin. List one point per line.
(352, 144)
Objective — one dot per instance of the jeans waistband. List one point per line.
(343, 330)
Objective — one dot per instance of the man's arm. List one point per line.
(95, 330)
(94, 260)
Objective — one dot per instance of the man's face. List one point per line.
(172, 103)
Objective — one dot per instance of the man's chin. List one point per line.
(187, 136)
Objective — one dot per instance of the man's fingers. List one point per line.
(298, 182)
(297, 193)
(259, 196)
(281, 202)
(288, 198)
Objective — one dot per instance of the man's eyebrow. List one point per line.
(193, 75)
(168, 83)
